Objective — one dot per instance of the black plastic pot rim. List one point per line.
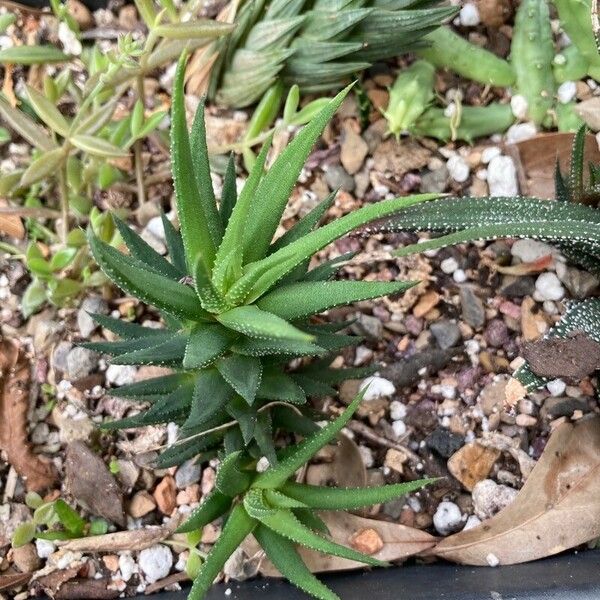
(571, 576)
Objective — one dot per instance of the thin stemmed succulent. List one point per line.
(317, 44)
(237, 304)
(570, 223)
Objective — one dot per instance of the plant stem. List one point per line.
(10, 249)
(64, 203)
(137, 149)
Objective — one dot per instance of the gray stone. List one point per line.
(434, 181)
(490, 498)
(91, 305)
(473, 311)
(80, 363)
(580, 283)
(368, 326)
(564, 406)
(59, 356)
(446, 333)
(189, 472)
(337, 178)
(444, 442)
(517, 287)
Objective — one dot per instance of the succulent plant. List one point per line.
(570, 223)
(237, 304)
(237, 308)
(317, 44)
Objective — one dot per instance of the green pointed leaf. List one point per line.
(231, 480)
(213, 506)
(125, 329)
(300, 300)
(309, 518)
(269, 346)
(131, 276)
(97, 146)
(174, 245)
(229, 194)
(260, 276)
(242, 373)
(279, 386)
(156, 386)
(169, 353)
(237, 527)
(254, 322)
(47, 111)
(263, 434)
(325, 498)
(275, 477)
(205, 344)
(277, 184)
(129, 345)
(287, 561)
(69, 518)
(198, 217)
(141, 250)
(211, 395)
(246, 418)
(44, 166)
(32, 55)
(277, 499)
(25, 126)
(203, 29)
(284, 523)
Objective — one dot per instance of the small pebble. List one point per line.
(399, 428)
(566, 91)
(447, 518)
(155, 562)
(127, 566)
(549, 287)
(449, 265)
(520, 132)
(469, 15)
(502, 177)
(556, 387)
(459, 276)
(458, 168)
(120, 374)
(519, 106)
(377, 387)
(492, 560)
(397, 410)
(44, 548)
(528, 250)
(488, 153)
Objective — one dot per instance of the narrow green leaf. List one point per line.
(231, 479)
(246, 418)
(97, 146)
(268, 346)
(25, 126)
(141, 250)
(237, 527)
(229, 194)
(242, 373)
(284, 523)
(326, 498)
(212, 507)
(69, 518)
(303, 299)
(47, 111)
(32, 55)
(254, 322)
(211, 395)
(287, 561)
(276, 385)
(205, 344)
(46, 165)
(263, 434)
(156, 386)
(275, 477)
(174, 245)
(279, 181)
(169, 353)
(125, 329)
(198, 216)
(131, 276)
(204, 29)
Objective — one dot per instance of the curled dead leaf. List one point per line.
(558, 507)
(38, 473)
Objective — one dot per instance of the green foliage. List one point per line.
(318, 45)
(570, 223)
(54, 520)
(231, 332)
(273, 507)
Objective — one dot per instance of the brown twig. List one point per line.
(371, 435)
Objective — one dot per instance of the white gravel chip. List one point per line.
(519, 106)
(531, 250)
(556, 387)
(377, 387)
(120, 374)
(449, 265)
(469, 15)
(399, 428)
(447, 518)
(155, 562)
(44, 548)
(127, 566)
(458, 168)
(549, 287)
(502, 177)
(397, 410)
(520, 131)
(488, 153)
(566, 91)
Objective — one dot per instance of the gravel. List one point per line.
(155, 562)
(502, 177)
(80, 363)
(447, 518)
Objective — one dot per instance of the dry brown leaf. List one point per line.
(87, 589)
(13, 580)
(536, 157)
(38, 473)
(399, 543)
(10, 224)
(558, 507)
(135, 539)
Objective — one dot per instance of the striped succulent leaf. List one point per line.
(237, 305)
(571, 223)
(316, 44)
